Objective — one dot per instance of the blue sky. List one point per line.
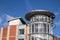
(18, 8)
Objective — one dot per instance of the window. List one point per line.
(44, 27)
(36, 28)
(48, 19)
(21, 31)
(40, 18)
(36, 18)
(43, 18)
(32, 28)
(20, 39)
(32, 38)
(41, 28)
(50, 28)
(47, 28)
(44, 39)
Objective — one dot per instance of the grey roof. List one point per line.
(39, 12)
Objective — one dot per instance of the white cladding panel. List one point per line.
(15, 22)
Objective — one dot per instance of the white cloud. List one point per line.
(56, 30)
(29, 7)
(5, 24)
(8, 17)
(0, 19)
(57, 23)
(56, 13)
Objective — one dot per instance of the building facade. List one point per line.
(17, 30)
(39, 27)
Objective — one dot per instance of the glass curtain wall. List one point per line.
(40, 26)
(41, 18)
(43, 24)
(40, 37)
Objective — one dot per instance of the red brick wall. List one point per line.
(4, 33)
(55, 38)
(12, 30)
(12, 38)
(12, 33)
(4, 38)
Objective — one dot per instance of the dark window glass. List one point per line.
(20, 39)
(40, 38)
(32, 28)
(44, 27)
(44, 39)
(32, 38)
(48, 27)
(21, 31)
(45, 18)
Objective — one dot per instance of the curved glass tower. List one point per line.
(40, 24)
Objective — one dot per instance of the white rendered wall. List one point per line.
(15, 22)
